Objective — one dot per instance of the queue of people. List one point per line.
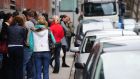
(30, 42)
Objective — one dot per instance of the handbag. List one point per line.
(3, 47)
(52, 41)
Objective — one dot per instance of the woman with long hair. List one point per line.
(16, 41)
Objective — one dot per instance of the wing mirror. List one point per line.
(74, 49)
(76, 10)
(79, 65)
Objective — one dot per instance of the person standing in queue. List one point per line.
(7, 20)
(15, 47)
(58, 32)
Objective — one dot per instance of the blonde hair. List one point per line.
(42, 20)
(56, 19)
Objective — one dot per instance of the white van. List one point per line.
(101, 9)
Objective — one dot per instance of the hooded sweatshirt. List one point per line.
(41, 42)
(57, 31)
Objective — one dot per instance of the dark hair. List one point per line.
(24, 12)
(16, 13)
(30, 13)
(7, 16)
(63, 16)
(2, 14)
(35, 14)
(45, 15)
(18, 20)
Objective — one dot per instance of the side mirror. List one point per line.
(79, 65)
(76, 10)
(74, 49)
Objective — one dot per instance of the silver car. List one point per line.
(86, 46)
(117, 58)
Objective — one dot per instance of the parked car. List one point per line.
(90, 24)
(89, 41)
(131, 24)
(117, 58)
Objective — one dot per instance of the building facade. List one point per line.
(133, 8)
(37, 5)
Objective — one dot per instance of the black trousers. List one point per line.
(15, 62)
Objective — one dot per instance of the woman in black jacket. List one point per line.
(16, 41)
(7, 19)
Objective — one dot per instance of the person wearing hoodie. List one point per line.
(41, 49)
(58, 33)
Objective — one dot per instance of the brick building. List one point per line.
(37, 5)
(4, 4)
(133, 7)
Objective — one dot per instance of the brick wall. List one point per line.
(38, 5)
(4, 4)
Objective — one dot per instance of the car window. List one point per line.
(88, 43)
(100, 9)
(99, 73)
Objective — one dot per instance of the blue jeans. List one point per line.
(27, 63)
(42, 59)
(121, 24)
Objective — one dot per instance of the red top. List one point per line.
(57, 31)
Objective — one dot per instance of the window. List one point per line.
(100, 9)
(68, 5)
(88, 43)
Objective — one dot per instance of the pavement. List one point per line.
(65, 72)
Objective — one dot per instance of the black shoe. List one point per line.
(55, 71)
(65, 65)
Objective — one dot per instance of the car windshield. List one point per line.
(99, 9)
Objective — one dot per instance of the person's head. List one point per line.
(24, 17)
(65, 18)
(68, 19)
(16, 13)
(8, 17)
(45, 15)
(18, 20)
(29, 15)
(2, 14)
(42, 20)
(35, 15)
(56, 19)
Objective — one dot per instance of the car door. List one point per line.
(96, 49)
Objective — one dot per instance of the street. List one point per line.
(65, 72)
